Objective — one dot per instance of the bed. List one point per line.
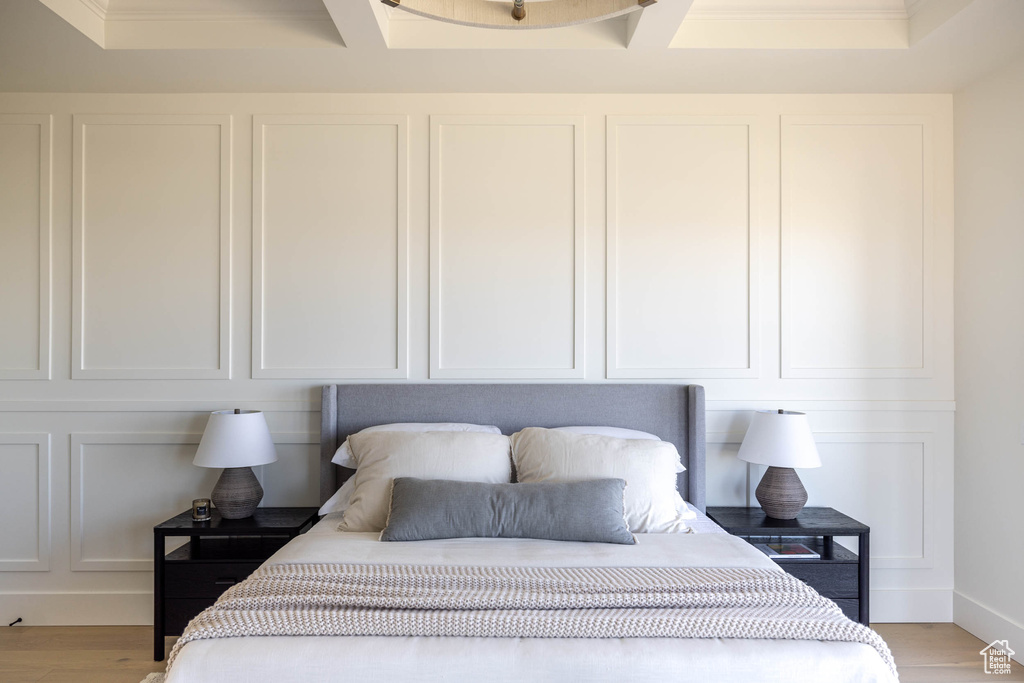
(673, 412)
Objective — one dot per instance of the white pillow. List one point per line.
(652, 504)
(340, 500)
(343, 456)
(618, 433)
(685, 511)
(380, 457)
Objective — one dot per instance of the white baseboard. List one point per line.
(77, 609)
(987, 624)
(911, 606)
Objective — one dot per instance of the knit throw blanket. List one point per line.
(525, 602)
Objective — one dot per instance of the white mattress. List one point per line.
(638, 660)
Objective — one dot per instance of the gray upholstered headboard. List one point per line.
(672, 411)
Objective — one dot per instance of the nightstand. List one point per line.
(840, 575)
(219, 554)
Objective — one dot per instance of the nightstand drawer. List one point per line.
(177, 613)
(204, 579)
(219, 553)
(833, 580)
(850, 607)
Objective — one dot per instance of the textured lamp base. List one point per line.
(237, 493)
(781, 493)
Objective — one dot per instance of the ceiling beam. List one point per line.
(363, 24)
(85, 16)
(654, 27)
(926, 16)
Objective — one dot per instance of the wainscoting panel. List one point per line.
(784, 251)
(25, 502)
(25, 260)
(506, 247)
(682, 247)
(886, 482)
(112, 516)
(727, 477)
(294, 480)
(152, 244)
(857, 215)
(330, 254)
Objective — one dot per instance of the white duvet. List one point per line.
(282, 659)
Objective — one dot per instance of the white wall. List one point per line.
(162, 256)
(989, 599)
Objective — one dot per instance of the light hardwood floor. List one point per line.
(939, 653)
(932, 653)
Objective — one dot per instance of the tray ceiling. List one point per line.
(732, 24)
(366, 46)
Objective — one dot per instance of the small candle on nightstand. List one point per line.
(201, 510)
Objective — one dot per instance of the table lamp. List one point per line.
(782, 440)
(236, 440)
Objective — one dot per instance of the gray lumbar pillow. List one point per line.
(590, 511)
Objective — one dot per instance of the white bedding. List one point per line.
(281, 659)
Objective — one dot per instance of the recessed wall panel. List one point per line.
(121, 486)
(506, 247)
(330, 259)
(25, 502)
(856, 231)
(726, 475)
(25, 189)
(294, 480)
(682, 269)
(152, 261)
(882, 480)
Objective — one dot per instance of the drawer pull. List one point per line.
(225, 582)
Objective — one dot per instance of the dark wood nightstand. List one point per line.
(839, 574)
(219, 554)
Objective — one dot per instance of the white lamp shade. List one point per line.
(236, 440)
(780, 439)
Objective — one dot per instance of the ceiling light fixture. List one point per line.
(517, 14)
